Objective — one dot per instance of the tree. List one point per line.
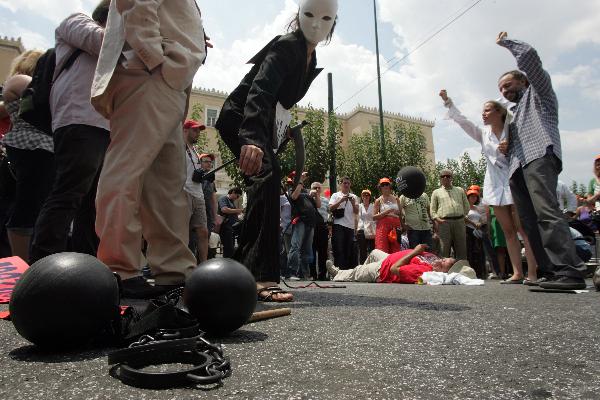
(365, 164)
(465, 171)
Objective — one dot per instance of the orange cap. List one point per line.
(472, 191)
(385, 180)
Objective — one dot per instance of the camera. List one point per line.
(198, 176)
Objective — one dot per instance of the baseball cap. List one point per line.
(365, 191)
(191, 124)
(385, 180)
(209, 155)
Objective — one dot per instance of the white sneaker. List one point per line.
(332, 269)
(293, 278)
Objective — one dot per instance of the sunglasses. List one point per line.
(446, 176)
(384, 184)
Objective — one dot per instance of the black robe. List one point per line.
(279, 74)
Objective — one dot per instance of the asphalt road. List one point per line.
(367, 341)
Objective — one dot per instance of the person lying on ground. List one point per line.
(405, 266)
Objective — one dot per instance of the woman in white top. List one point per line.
(365, 231)
(496, 190)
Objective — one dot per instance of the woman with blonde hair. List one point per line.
(496, 190)
(30, 152)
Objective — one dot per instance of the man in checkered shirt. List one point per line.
(535, 162)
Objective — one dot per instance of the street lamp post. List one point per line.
(381, 132)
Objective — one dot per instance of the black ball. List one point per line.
(221, 294)
(65, 300)
(411, 182)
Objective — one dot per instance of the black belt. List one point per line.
(459, 217)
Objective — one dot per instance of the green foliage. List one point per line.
(466, 172)
(232, 169)
(365, 164)
(579, 189)
(318, 158)
(197, 113)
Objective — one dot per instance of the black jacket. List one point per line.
(280, 75)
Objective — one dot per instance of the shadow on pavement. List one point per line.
(327, 299)
(32, 353)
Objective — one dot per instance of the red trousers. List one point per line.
(382, 241)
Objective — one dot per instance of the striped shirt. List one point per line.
(449, 203)
(22, 135)
(534, 130)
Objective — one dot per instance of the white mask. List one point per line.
(317, 18)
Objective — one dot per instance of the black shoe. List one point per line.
(564, 283)
(139, 288)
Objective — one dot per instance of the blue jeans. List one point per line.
(300, 254)
(416, 237)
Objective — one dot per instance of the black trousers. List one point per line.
(227, 240)
(533, 188)
(320, 241)
(259, 237)
(342, 242)
(34, 170)
(365, 246)
(78, 153)
(475, 254)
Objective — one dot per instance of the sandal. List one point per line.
(270, 291)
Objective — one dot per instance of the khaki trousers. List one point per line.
(453, 234)
(140, 191)
(368, 272)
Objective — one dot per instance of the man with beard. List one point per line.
(535, 162)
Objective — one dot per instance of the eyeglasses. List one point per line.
(445, 176)
(384, 184)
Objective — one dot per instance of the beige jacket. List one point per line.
(149, 34)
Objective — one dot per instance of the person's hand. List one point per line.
(420, 248)
(444, 95)
(501, 36)
(440, 221)
(352, 201)
(207, 42)
(250, 159)
(503, 147)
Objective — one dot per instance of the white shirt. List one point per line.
(365, 220)
(566, 199)
(348, 220)
(192, 161)
(496, 189)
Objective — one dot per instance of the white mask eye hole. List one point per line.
(326, 18)
(308, 14)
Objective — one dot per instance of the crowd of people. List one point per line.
(118, 175)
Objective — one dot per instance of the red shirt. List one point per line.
(4, 126)
(408, 273)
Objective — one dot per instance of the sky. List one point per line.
(416, 60)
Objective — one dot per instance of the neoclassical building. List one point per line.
(9, 49)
